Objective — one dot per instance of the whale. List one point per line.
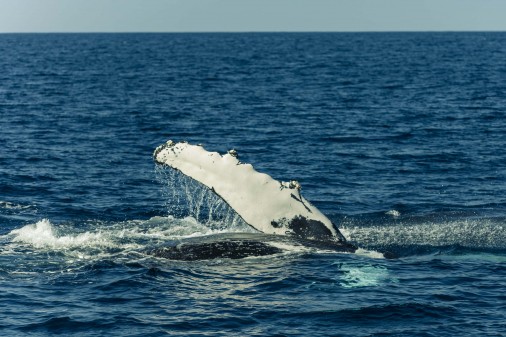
(241, 245)
(271, 207)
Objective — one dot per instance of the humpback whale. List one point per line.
(271, 207)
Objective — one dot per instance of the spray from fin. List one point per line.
(185, 197)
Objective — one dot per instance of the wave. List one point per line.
(388, 312)
(418, 235)
(53, 249)
(402, 236)
(133, 234)
(44, 234)
(13, 206)
(97, 239)
(139, 239)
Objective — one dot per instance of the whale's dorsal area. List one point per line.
(268, 205)
(240, 245)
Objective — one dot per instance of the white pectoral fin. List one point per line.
(265, 204)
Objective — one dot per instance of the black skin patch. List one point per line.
(276, 224)
(228, 249)
(311, 229)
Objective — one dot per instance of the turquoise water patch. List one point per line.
(367, 275)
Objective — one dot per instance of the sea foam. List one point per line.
(44, 234)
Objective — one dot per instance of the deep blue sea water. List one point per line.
(400, 138)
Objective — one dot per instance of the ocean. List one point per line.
(399, 138)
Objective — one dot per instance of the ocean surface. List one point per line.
(399, 138)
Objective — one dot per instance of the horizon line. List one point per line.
(256, 32)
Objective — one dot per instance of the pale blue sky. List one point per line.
(250, 15)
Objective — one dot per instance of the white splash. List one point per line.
(43, 234)
(87, 239)
(473, 233)
(369, 253)
(393, 213)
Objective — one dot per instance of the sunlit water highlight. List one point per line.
(398, 138)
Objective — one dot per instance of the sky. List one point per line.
(250, 15)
